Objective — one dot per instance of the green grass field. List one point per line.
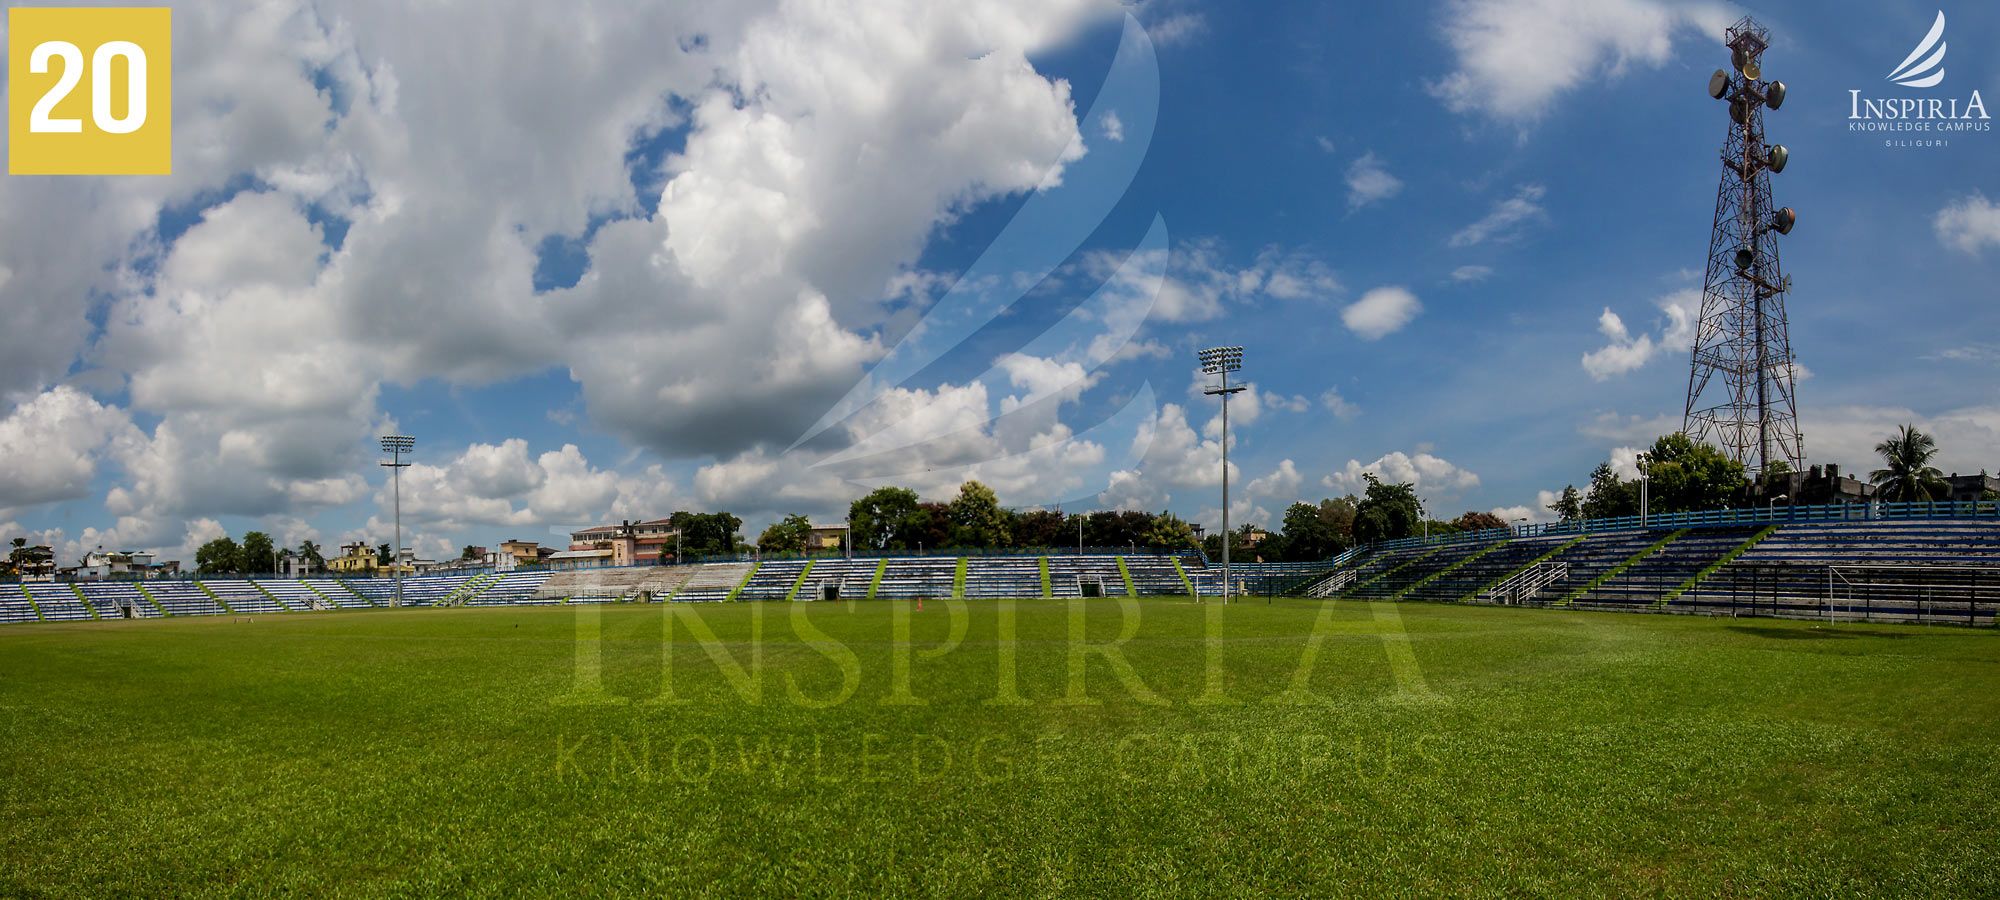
(1436, 748)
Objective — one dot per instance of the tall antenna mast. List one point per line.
(1742, 334)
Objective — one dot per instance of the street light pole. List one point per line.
(1222, 361)
(396, 445)
(1644, 477)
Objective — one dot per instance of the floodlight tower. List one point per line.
(1222, 361)
(396, 445)
(1742, 333)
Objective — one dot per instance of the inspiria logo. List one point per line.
(1931, 121)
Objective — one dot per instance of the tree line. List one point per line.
(1685, 475)
(896, 520)
(256, 554)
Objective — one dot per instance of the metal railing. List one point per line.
(1527, 584)
(1963, 595)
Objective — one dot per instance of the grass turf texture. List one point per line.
(422, 751)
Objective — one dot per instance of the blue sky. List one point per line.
(1521, 173)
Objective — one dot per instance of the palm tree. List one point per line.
(309, 552)
(1909, 475)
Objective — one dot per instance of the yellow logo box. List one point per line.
(90, 91)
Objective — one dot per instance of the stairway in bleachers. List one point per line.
(1478, 574)
(338, 593)
(1068, 575)
(290, 596)
(1395, 580)
(1597, 556)
(850, 576)
(110, 598)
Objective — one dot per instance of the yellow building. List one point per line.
(355, 559)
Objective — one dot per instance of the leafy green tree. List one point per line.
(1310, 534)
(976, 517)
(468, 552)
(1478, 521)
(1569, 505)
(927, 527)
(787, 535)
(1386, 512)
(1121, 528)
(1609, 496)
(1042, 528)
(309, 552)
(221, 556)
(1239, 546)
(1339, 515)
(877, 520)
(258, 555)
(1907, 474)
(706, 534)
(1168, 532)
(383, 555)
(1685, 476)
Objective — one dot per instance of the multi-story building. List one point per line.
(827, 537)
(631, 543)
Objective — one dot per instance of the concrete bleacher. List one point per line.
(107, 598)
(1394, 580)
(1155, 576)
(714, 581)
(1895, 570)
(14, 606)
(336, 592)
(608, 585)
(241, 595)
(917, 577)
(1649, 580)
(58, 602)
(1487, 569)
(1904, 571)
(773, 580)
(1003, 576)
(851, 576)
(1597, 555)
(285, 595)
(1068, 574)
(514, 588)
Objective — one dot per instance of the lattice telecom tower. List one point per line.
(1742, 335)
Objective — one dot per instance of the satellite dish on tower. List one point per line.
(1774, 95)
(1752, 70)
(1718, 84)
(1778, 157)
